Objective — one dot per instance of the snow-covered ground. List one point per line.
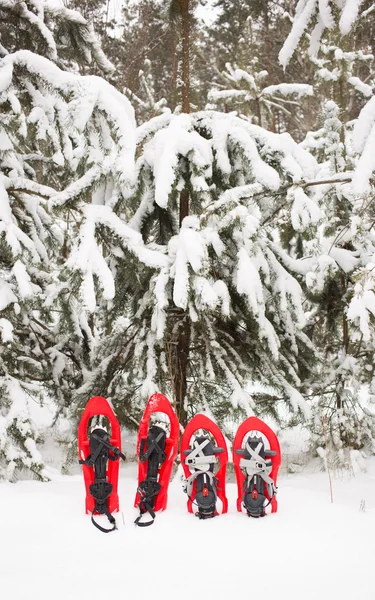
(311, 549)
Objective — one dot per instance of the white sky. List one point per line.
(205, 13)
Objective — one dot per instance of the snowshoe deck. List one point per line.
(198, 457)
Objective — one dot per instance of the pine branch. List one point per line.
(31, 192)
(339, 179)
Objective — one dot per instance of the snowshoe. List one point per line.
(99, 456)
(256, 467)
(198, 458)
(156, 453)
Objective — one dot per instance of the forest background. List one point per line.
(186, 205)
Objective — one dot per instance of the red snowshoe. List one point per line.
(99, 456)
(156, 452)
(198, 458)
(256, 467)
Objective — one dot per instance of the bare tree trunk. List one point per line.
(340, 386)
(174, 92)
(181, 361)
(184, 205)
(266, 24)
(185, 40)
(345, 331)
(182, 347)
(258, 111)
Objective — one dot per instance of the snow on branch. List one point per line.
(162, 153)
(257, 103)
(87, 255)
(32, 19)
(221, 266)
(67, 107)
(364, 143)
(305, 11)
(300, 90)
(320, 12)
(58, 28)
(349, 15)
(361, 309)
(22, 452)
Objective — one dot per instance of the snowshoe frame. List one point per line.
(203, 422)
(158, 484)
(108, 473)
(255, 424)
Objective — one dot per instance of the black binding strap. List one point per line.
(101, 491)
(150, 487)
(100, 452)
(111, 519)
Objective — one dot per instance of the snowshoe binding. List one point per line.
(99, 456)
(199, 455)
(256, 467)
(156, 452)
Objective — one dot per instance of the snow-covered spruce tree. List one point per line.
(245, 29)
(343, 76)
(319, 18)
(59, 133)
(336, 20)
(265, 105)
(342, 243)
(257, 31)
(140, 41)
(50, 29)
(220, 305)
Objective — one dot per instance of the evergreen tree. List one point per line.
(60, 135)
(142, 43)
(220, 269)
(191, 273)
(50, 29)
(270, 106)
(338, 19)
(338, 251)
(248, 35)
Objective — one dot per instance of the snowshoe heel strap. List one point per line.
(101, 491)
(147, 491)
(111, 519)
(254, 504)
(150, 511)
